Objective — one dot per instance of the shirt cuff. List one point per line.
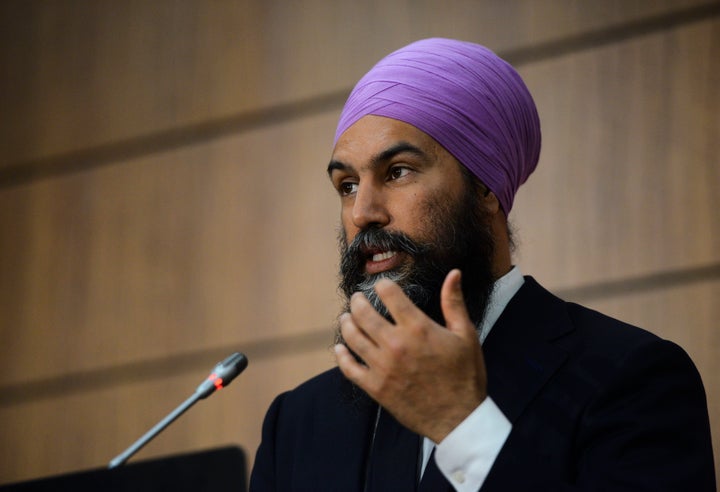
(466, 455)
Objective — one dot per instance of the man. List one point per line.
(430, 149)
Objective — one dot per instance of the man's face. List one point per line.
(409, 214)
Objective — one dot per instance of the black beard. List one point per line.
(457, 236)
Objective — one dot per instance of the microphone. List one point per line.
(223, 373)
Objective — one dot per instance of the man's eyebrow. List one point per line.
(336, 165)
(398, 148)
(384, 156)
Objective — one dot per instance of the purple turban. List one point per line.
(468, 99)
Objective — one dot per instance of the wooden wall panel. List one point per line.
(187, 250)
(629, 176)
(86, 430)
(87, 73)
(192, 209)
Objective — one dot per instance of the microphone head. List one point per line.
(231, 367)
(223, 373)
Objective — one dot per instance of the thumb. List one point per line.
(453, 307)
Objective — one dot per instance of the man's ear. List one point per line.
(492, 204)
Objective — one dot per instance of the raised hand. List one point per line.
(428, 376)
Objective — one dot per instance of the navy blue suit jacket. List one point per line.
(595, 404)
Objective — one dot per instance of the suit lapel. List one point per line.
(393, 459)
(334, 445)
(520, 355)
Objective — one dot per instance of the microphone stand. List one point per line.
(223, 373)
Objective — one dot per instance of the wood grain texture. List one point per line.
(86, 73)
(82, 431)
(222, 234)
(219, 244)
(629, 174)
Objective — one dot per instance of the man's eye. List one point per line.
(398, 172)
(347, 188)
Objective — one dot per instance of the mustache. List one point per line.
(415, 275)
(354, 255)
(376, 239)
(368, 241)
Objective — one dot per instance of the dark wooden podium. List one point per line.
(216, 469)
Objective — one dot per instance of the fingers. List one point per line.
(428, 377)
(403, 310)
(363, 328)
(398, 304)
(367, 332)
(350, 367)
(366, 317)
(453, 306)
(360, 344)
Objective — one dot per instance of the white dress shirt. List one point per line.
(463, 457)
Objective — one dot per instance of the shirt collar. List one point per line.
(504, 289)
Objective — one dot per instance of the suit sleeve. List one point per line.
(646, 428)
(649, 428)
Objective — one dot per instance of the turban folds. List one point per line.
(468, 99)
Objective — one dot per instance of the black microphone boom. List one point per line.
(223, 373)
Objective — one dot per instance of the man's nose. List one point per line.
(369, 207)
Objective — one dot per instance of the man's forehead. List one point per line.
(372, 135)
